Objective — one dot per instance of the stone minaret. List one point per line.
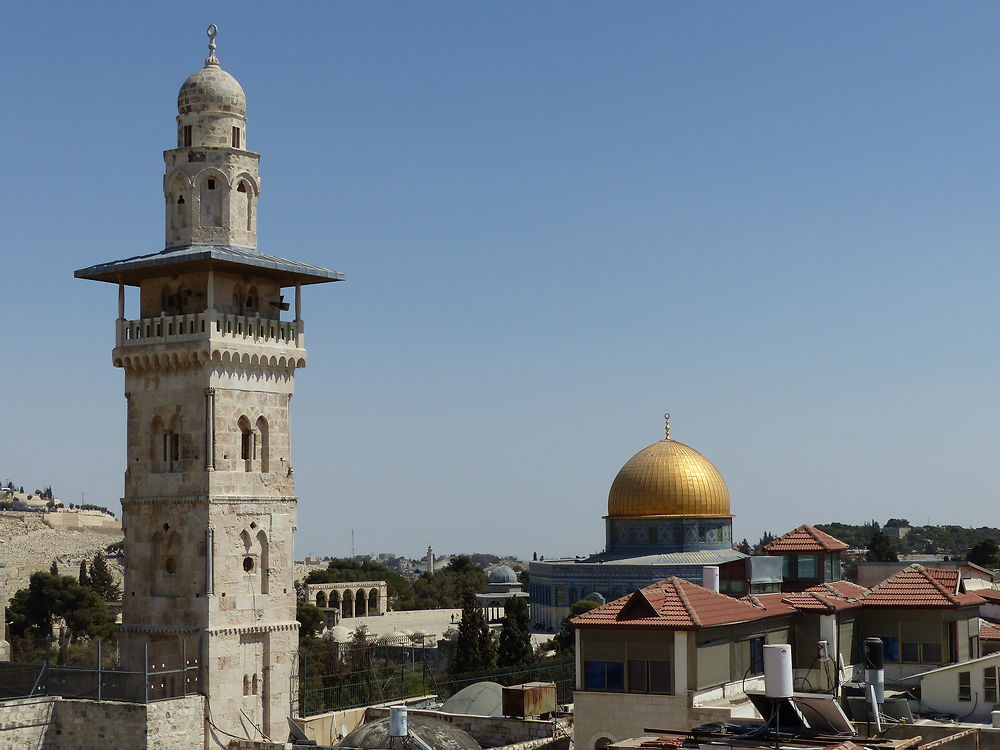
(209, 506)
(430, 560)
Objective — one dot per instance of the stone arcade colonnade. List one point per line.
(349, 598)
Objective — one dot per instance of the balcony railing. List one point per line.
(169, 328)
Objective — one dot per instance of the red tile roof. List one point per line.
(990, 595)
(840, 589)
(845, 745)
(917, 586)
(989, 631)
(805, 538)
(673, 604)
(814, 601)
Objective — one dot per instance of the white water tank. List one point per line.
(397, 721)
(778, 670)
(710, 577)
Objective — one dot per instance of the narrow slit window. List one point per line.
(186, 136)
(211, 183)
(236, 137)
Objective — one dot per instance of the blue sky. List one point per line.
(776, 220)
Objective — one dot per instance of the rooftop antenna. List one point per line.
(352, 542)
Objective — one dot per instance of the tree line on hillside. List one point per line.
(439, 590)
(977, 545)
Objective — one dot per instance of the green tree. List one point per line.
(84, 579)
(102, 581)
(34, 611)
(743, 547)
(311, 622)
(473, 647)
(985, 553)
(565, 639)
(515, 638)
(54, 568)
(881, 549)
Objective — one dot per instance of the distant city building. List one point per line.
(668, 515)
(502, 586)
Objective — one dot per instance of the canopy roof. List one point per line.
(187, 258)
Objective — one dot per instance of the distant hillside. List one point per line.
(951, 541)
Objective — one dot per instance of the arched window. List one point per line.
(172, 445)
(211, 202)
(253, 684)
(246, 684)
(360, 607)
(247, 446)
(262, 547)
(157, 455)
(334, 600)
(252, 304)
(347, 604)
(265, 444)
(242, 207)
(373, 608)
(321, 600)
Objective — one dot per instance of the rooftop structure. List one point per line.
(209, 507)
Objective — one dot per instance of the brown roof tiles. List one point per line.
(917, 586)
(805, 538)
(674, 604)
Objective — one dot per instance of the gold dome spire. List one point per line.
(668, 478)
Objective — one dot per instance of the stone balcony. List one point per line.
(214, 335)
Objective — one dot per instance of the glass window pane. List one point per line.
(890, 646)
(659, 676)
(636, 676)
(807, 566)
(616, 675)
(964, 686)
(594, 675)
(911, 652)
(786, 566)
(931, 653)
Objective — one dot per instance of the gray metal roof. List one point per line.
(199, 257)
(694, 557)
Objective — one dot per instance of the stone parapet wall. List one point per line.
(54, 723)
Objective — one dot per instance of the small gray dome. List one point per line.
(503, 574)
(211, 89)
(440, 735)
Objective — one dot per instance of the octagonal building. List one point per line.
(668, 515)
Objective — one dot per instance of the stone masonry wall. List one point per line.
(24, 723)
(60, 724)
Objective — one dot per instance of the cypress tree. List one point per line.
(515, 638)
(84, 578)
(468, 654)
(54, 569)
(101, 580)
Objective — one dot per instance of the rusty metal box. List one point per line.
(529, 699)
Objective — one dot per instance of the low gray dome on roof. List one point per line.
(503, 574)
(437, 733)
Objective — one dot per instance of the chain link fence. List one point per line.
(349, 675)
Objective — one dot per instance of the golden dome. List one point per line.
(668, 479)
